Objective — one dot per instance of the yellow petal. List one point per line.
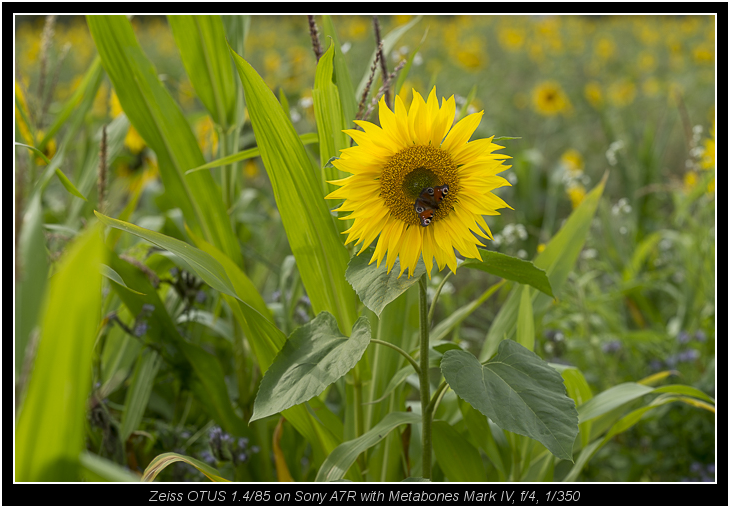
(461, 132)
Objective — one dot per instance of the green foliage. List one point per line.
(314, 356)
(519, 392)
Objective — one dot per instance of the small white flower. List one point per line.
(294, 115)
(522, 254)
(345, 47)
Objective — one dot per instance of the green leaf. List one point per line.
(321, 257)
(266, 341)
(492, 442)
(307, 139)
(469, 99)
(348, 101)
(138, 393)
(340, 460)
(375, 287)
(162, 461)
(519, 391)
(315, 356)
(578, 390)
(99, 469)
(202, 263)
(404, 73)
(161, 123)
(389, 42)
(33, 275)
(557, 260)
(611, 399)
(109, 273)
(61, 176)
(456, 457)
(526, 321)
(47, 447)
(330, 118)
(202, 44)
(199, 369)
(90, 81)
(511, 268)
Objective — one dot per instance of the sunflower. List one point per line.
(549, 99)
(412, 153)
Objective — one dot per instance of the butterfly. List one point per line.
(429, 201)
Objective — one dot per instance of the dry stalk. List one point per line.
(383, 63)
(366, 91)
(313, 33)
(384, 89)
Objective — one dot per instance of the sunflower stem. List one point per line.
(424, 382)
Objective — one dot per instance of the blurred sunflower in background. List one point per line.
(549, 99)
(393, 165)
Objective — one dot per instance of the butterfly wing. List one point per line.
(439, 192)
(424, 212)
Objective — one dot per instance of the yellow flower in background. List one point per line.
(207, 135)
(549, 99)
(186, 93)
(133, 140)
(471, 55)
(541, 247)
(690, 180)
(393, 167)
(572, 161)
(576, 193)
(593, 94)
(605, 48)
(650, 87)
(511, 39)
(704, 53)
(115, 107)
(708, 157)
(646, 61)
(21, 114)
(251, 169)
(622, 93)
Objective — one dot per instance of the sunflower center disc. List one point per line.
(409, 172)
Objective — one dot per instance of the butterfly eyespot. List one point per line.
(430, 191)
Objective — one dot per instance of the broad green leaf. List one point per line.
(98, 469)
(160, 122)
(557, 260)
(348, 101)
(109, 273)
(330, 118)
(60, 174)
(441, 330)
(202, 44)
(340, 460)
(456, 457)
(307, 139)
(33, 275)
(389, 42)
(315, 356)
(511, 268)
(321, 256)
(162, 461)
(138, 393)
(519, 391)
(526, 321)
(684, 390)
(47, 447)
(375, 287)
(202, 263)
